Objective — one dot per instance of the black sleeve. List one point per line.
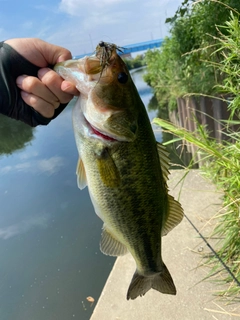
(12, 65)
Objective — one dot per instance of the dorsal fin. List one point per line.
(174, 215)
(164, 160)
(81, 175)
(110, 246)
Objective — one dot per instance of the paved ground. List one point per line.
(182, 250)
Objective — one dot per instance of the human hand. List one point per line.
(49, 90)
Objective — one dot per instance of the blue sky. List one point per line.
(80, 24)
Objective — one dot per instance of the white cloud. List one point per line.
(24, 226)
(51, 165)
(28, 154)
(119, 21)
(48, 166)
(6, 169)
(78, 7)
(72, 7)
(96, 20)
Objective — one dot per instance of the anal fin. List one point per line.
(110, 246)
(174, 216)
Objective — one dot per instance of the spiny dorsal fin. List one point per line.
(174, 215)
(164, 160)
(110, 245)
(81, 175)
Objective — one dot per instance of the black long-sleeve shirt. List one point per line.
(12, 65)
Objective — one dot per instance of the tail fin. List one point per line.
(161, 282)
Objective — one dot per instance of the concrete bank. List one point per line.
(182, 250)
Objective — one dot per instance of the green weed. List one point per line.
(220, 161)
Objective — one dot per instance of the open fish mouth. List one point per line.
(102, 135)
(97, 133)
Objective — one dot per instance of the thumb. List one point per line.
(39, 52)
(52, 53)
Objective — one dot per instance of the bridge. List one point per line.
(130, 48)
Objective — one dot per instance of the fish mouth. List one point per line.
(99, 134)
(102, 135)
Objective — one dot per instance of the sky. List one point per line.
(79, 25)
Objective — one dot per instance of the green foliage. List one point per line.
(188, 60)
(135, 63)
(230, 65)
(180, 12)
(160, 76)
(222, 159)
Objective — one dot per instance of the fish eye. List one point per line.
(122, 77)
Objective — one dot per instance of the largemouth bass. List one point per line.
(124, 167)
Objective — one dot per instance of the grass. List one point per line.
(220, 162)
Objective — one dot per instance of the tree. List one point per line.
(187, 59)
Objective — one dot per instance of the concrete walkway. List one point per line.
(182, 253)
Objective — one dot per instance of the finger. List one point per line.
(53, 82)
(35, 86)
(43, 107)
(70, 88)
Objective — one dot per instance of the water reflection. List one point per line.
(49, 234)
(24, 226)
(148, 98)
(49, 166)
(14, 135)
(50, 260)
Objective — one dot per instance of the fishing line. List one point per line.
(214, 252)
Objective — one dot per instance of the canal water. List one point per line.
(50, 260)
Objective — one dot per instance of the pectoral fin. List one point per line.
(174, 215)
(81, 175)
(110, 246)
(108, 170)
